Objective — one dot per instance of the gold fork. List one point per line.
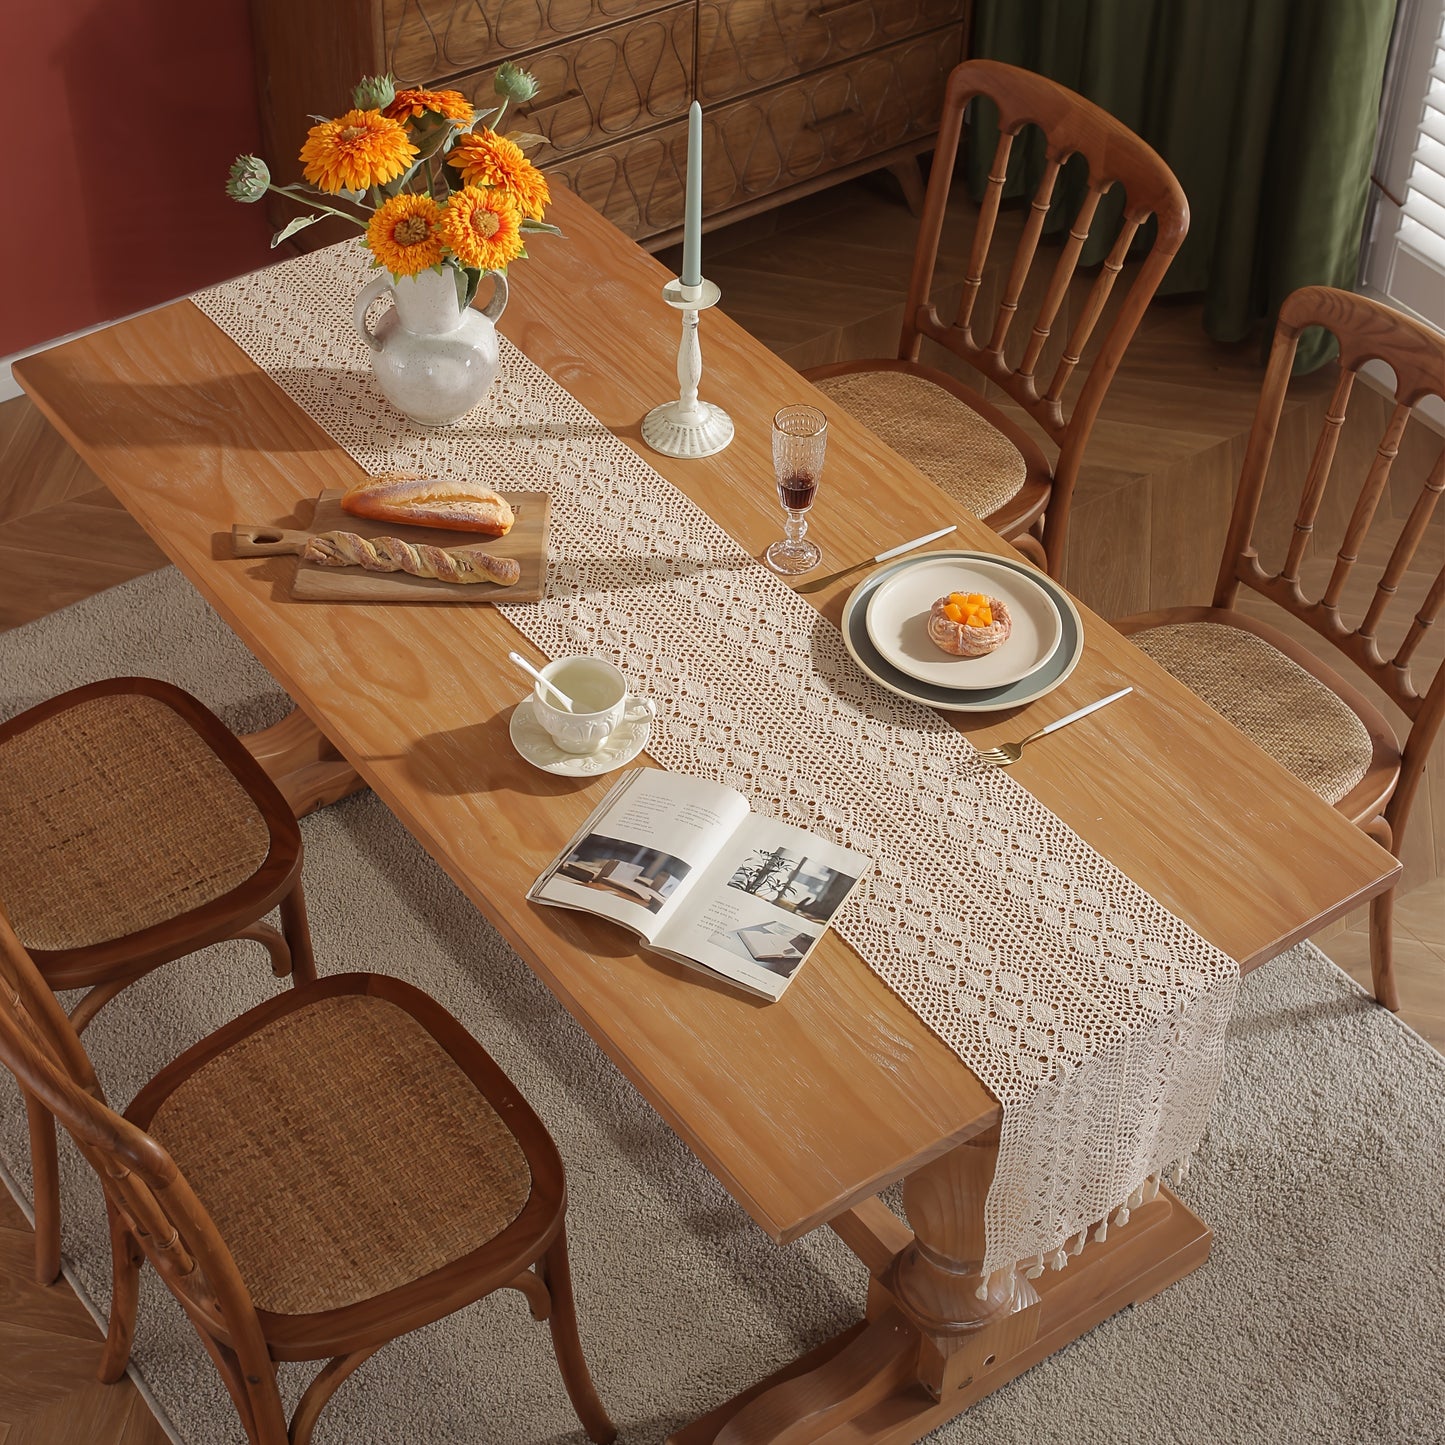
(1002, 754)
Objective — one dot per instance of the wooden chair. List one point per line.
(134, 829)
(1298, 709)
(969, 448)
(338, 1166)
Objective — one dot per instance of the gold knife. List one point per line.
(818, 583)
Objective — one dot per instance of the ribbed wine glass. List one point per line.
(800, 437)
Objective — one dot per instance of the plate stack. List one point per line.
(885, 628)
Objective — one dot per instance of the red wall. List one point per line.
(124, 117)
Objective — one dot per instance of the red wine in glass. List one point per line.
(796, 492)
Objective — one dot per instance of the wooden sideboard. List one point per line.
(796, 94)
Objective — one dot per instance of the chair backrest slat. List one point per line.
(1366, 505)
(1317, 478)
(1409, 540)
(1059, 282)
(1023, 261)
(982, 232)
(1109, 272)
(1423, 621)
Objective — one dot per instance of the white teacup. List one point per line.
(600, 701)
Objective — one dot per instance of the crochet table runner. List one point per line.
(1094, 1015)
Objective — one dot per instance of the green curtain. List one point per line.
(1266, 110)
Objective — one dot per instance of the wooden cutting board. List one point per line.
(527, 542)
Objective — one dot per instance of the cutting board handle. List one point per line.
(251, 540)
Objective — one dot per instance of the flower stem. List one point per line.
(292, 194)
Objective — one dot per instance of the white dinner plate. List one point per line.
(898, 610)
(962, 699)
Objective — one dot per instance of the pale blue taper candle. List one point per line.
(692, 215)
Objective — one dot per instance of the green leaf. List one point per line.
(528, 224)
(428, 145)
(291, 227)
(524, 139)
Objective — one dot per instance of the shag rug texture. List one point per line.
(1320, 1317)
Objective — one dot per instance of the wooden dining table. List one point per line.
(805, 1108)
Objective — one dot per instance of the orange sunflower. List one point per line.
(411, 104)
(359, 149)
(404, 236)
(482, 227)
(488, 159)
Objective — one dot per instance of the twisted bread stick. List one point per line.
(391, 554)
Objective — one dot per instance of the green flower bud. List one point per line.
(248, 179)
(375, 92)
(513, 84)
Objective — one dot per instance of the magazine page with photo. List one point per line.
(763, 903)
(689, 868)
(640, 854)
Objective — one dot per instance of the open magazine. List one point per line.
(690, 868)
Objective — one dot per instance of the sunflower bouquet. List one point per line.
(432, 183)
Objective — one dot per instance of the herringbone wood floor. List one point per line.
(816, 281)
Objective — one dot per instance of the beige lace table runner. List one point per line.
(1095, 1016)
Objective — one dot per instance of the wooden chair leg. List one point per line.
(320, 1391)
(298, 936)
(45, 1175)
(125, 1263)
(557, 1276)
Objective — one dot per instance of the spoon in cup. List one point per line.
(551, 687)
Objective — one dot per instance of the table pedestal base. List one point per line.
(302, 762)
(887, 1381)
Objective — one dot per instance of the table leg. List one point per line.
(303, 763)
(929, 1347)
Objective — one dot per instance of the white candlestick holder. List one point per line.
(688, 427)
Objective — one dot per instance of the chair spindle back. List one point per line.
(1366, 330)
(1115, 156)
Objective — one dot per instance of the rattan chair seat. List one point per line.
(114, 816)
(949, 442)
(1294, 717)
(342, 1153)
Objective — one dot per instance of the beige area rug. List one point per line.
(1318, 1319)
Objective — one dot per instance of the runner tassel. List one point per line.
(1102, 1232)
(1151, 1187)
(1058, 1259)
(1121, 1215)
(1079, 1243)
(1036, 1268)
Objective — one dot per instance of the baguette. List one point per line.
(392, 554)
(422, 501)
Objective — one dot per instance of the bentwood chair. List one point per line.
(1297, 708)
(135, 828)
(984, 459)
(340, 1165)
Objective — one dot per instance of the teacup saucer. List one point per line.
(530, 739)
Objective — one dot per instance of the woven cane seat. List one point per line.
(342, 1153)
(949, 442)
(1293, 716)
(114, 816)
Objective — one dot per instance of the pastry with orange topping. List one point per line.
(969, 624)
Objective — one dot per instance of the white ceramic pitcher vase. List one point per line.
(433, 357)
